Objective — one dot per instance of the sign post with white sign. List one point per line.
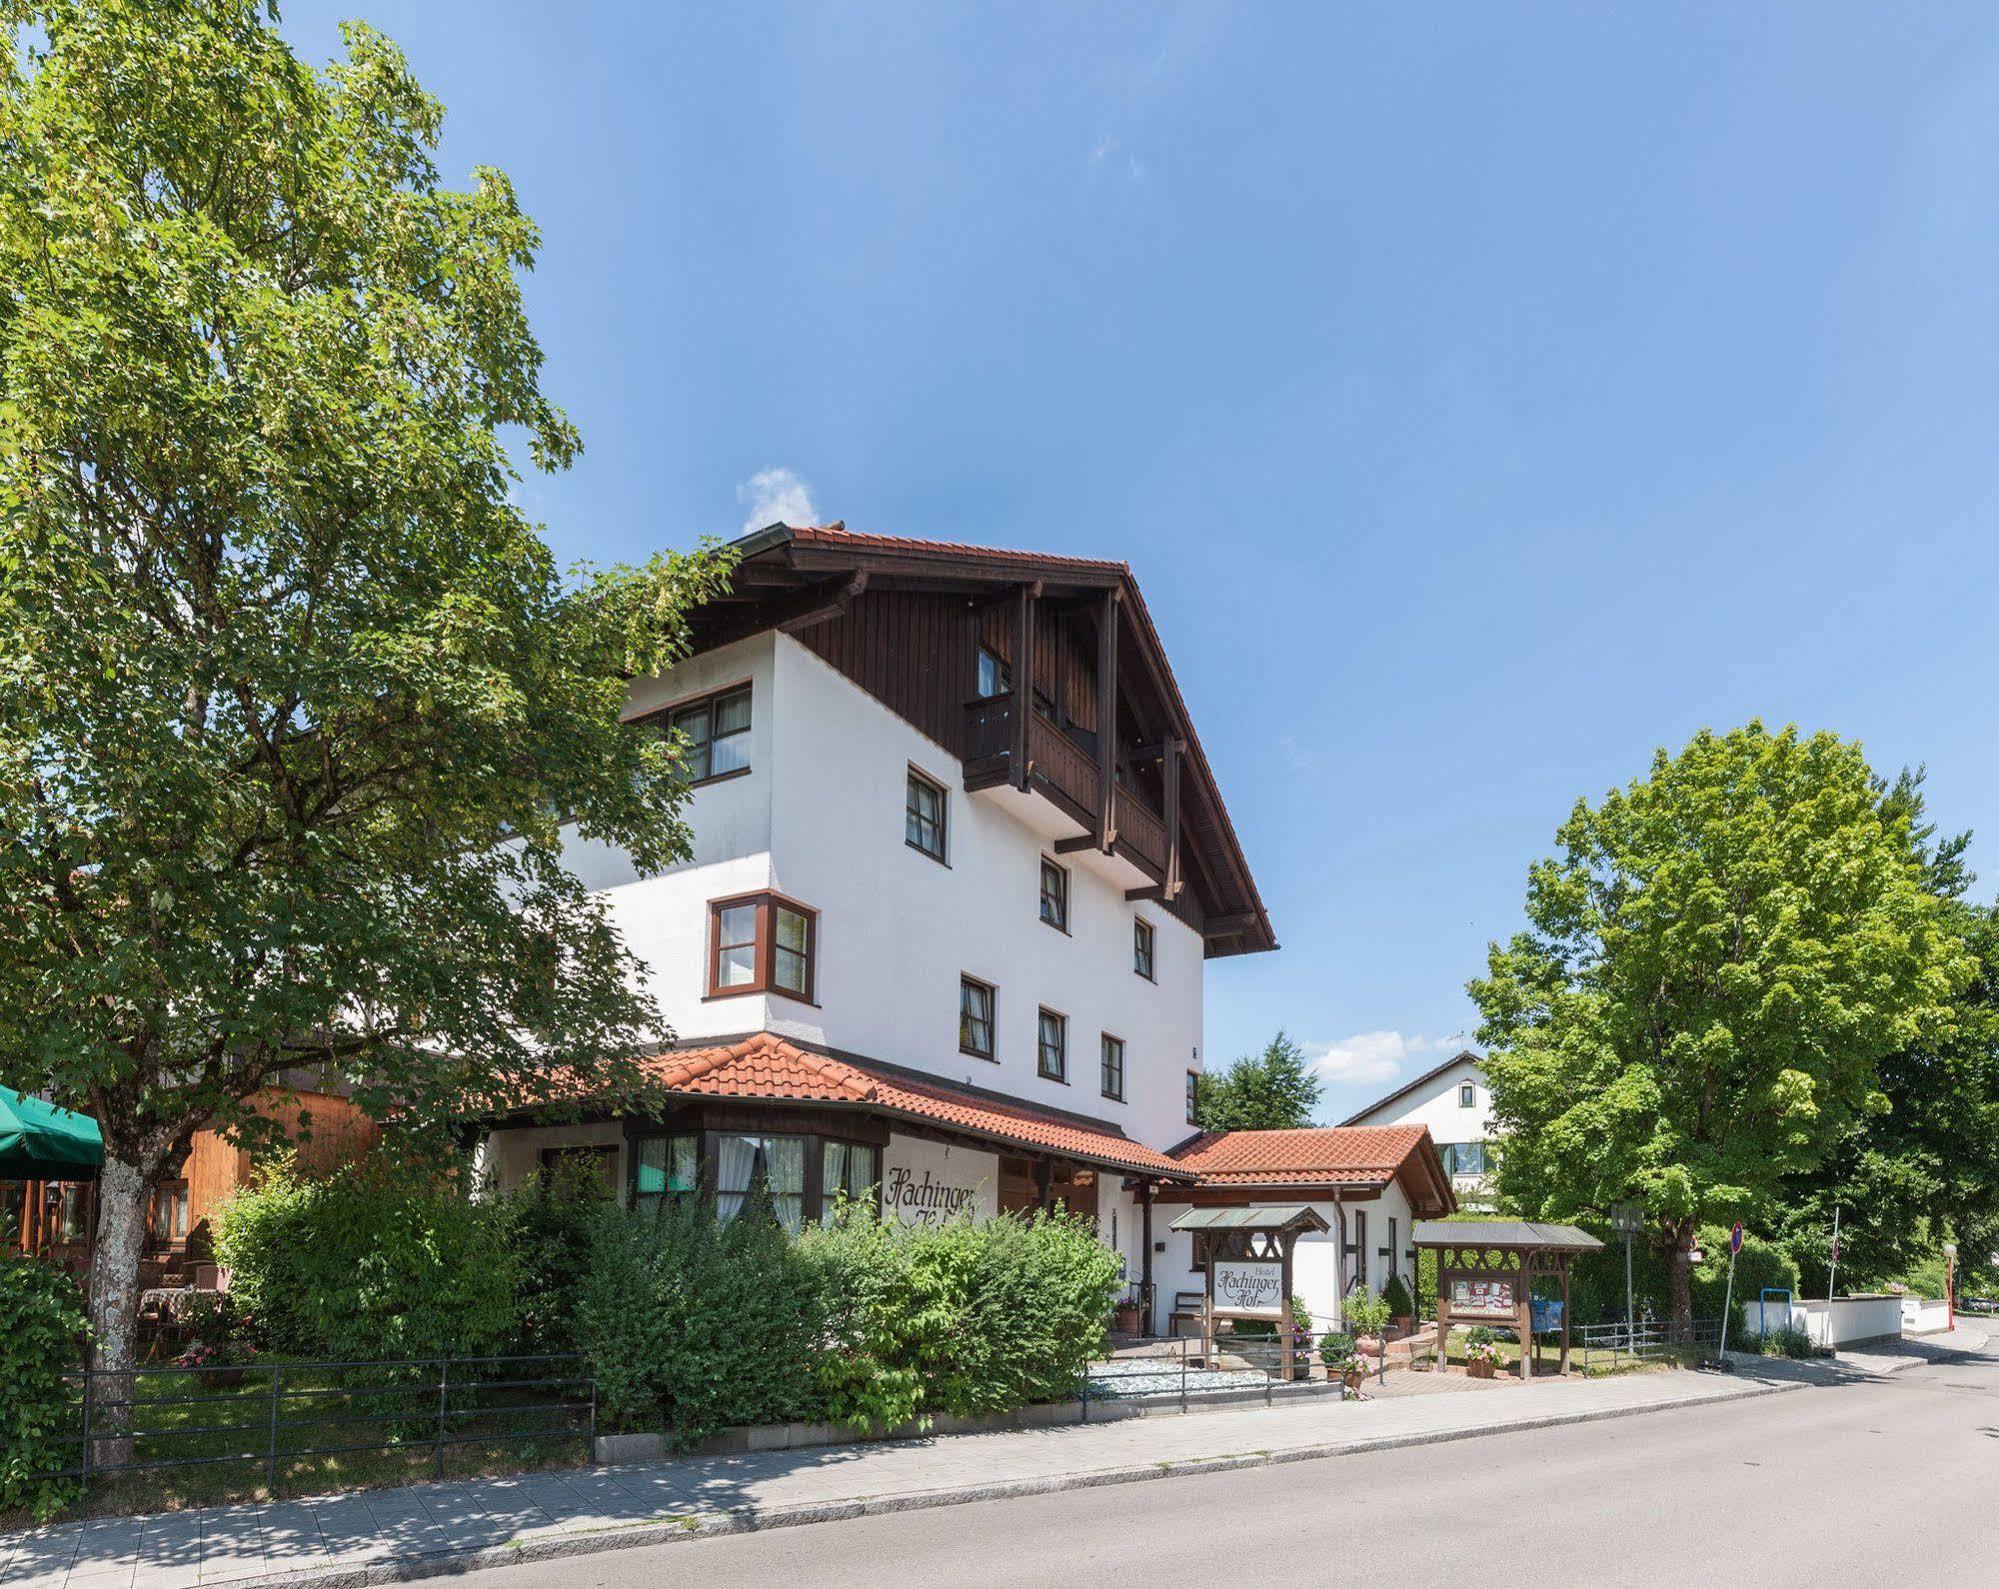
(1247, 1255)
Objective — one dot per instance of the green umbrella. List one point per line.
(39, 1142)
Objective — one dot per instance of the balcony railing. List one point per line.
(1063, 770)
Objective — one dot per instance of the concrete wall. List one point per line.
(1854, 1319)
(1925, 1315)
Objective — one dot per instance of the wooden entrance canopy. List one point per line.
(1486, 1271)
(1249, 1264)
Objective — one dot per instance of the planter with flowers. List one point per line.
(1481, 1353)
(1367, 1317)
(218, 1367)
(1343, 1363)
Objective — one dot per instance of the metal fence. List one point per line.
(1185, 1369)
(281, 1414)
(1643, 1341)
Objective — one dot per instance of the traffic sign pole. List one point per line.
(1728, 1295)
(1832, 1277)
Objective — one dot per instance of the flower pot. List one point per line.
(1124, 1318)
(221, 1378)
(1405, 1323)
(1353, 1378)
(1368, 1345)
(1481, 1368)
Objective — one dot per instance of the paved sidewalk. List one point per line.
(382, 1536)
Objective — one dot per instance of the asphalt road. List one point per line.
(1877, 1483)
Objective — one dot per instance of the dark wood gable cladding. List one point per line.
(906, 621)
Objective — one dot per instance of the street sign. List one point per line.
(1627, 1218)
(1735, 1239)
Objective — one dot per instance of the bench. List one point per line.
(1190, 1306)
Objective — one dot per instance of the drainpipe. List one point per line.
(1145, 1253)
(1340, 1260)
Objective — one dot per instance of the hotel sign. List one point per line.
(1482, 1298)
(1252, 1288)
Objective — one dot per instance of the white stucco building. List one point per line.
(1454, 1103)
(958, 866)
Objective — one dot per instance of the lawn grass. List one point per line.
(1548, 1358)
(335, 1429)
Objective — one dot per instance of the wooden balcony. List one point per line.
(1067, 776)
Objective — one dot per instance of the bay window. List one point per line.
(760, 943)
(776, 1164)
(850, 1171)
(668, 1171)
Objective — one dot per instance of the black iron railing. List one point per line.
(278, 1414)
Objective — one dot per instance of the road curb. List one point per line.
(747, 1520)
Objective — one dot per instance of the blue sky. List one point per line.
(1482, 395)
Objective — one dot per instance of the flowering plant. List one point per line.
(225, 1354)
(1486, 1351)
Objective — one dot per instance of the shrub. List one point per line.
(961, 1317)
(1396, 1295)
(548, 1231)
(698, 1324)
(1787, 1342)
(1335, 1347)
(371, 1262)
(863, 1322)
(41, 1339)
(1366, 1315)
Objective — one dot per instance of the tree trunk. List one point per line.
(1680, 1282)
(122, 1189)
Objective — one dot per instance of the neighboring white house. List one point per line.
(1455, 1104)
(958, 864)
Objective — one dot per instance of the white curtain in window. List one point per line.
(784, 1168)
(732, 1175)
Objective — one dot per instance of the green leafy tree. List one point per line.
(294, 703)
(1717, 963)
(1260, 1092)
(1926, 1168)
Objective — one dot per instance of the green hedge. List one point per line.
(41, 1340)
(867, 1322)
(372, 1262)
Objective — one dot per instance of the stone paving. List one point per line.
(374, 1536)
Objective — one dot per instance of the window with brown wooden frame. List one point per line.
(1141, 947)
(166, 1221)
(924, 810)
(1054, 895)
(1113, 1066)
(1052, 1045)
(1193, 1095)
(718, 733)
(976, 1003)
(995, 677)
(761, 943)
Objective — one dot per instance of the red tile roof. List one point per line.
(840, 535)
(767, 1066)
(1314, 1156)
